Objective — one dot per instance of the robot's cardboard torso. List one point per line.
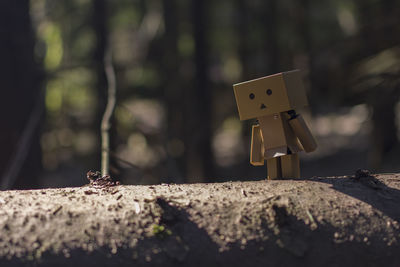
(279, 138)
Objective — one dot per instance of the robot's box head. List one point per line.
(271, 94)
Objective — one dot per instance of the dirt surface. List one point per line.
(338, 221)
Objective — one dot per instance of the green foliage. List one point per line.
(52, 37)
(160, 231)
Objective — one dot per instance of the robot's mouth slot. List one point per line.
(263, 106)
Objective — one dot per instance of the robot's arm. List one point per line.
(302, 132)
(257, 146)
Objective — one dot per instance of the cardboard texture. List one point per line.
(295, 87)
(271, 94)
(257, 149)
(290, 166)
(280, 135)
(274, 169)
(277, 133)
(303, 133)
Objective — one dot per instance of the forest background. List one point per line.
(175, 62)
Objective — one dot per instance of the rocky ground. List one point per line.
(333, 221)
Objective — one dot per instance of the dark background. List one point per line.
(176, 61)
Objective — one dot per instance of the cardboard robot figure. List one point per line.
(280, 132)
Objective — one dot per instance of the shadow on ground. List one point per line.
(370, 190)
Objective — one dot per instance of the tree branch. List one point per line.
(105, 123)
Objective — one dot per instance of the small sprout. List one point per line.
(161, 231)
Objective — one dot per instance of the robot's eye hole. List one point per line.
(252, 96)
(269, 92)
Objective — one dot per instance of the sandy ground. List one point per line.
(333, 221)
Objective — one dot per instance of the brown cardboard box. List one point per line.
(271, 94)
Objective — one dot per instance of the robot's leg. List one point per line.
(274, 168)
(290, 166)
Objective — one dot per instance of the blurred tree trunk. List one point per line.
(20, 80)
(241, 22)
(198, 121)
(173, 92)
(271, 34)
(375, 23)
(304, 25)
(242, 26)
(100, 28)
(384, 98)
(384, 130)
